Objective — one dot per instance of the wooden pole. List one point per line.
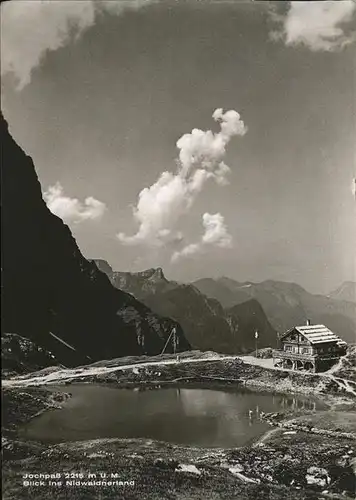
(256, 337)
(169, 338)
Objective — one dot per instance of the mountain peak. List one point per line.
(346, 291)
(153, 274)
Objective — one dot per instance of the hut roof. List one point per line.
(316, 334)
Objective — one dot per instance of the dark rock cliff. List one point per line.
(247, 318)
(51, 294)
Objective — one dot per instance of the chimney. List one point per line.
(308, 322)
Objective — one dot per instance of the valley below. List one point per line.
(301, 443)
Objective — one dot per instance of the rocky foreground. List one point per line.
(309, 456)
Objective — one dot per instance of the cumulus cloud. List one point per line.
(216, 235)
(187, 251)
(161, 205)
(71, 209)
(206, 148)
(30, 28)
(318, 25)
(216, 231)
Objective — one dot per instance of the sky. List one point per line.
(210, 138)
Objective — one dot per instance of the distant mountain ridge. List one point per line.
(150, 281)
(285, 304)
(346, 291)
(206, 324)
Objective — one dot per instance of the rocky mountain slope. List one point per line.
(285, 304)
(206, 324)
(20, 355)
(51, 294)
(142, 284)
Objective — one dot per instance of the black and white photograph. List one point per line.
(178, 258)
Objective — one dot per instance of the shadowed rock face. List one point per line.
(20, 355)
(48, 286)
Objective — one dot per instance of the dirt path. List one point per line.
(66, 374)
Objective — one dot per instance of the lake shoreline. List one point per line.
(224, 370)
(276, 467)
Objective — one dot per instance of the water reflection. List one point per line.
(296, 403)
(199, 417)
